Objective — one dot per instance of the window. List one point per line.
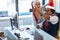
(7, 7)
(3, 8)
(24, 5)
(11, 7)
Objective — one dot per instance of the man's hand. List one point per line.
(46, 17)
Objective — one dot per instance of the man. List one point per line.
(50, 24)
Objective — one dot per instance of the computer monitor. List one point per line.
(15, 19)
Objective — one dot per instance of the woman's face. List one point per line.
(37, 5)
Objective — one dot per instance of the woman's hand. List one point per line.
(38, 27)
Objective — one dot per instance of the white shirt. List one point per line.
(54, 19)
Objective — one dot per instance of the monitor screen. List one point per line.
(15, 19)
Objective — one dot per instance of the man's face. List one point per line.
(48, 11)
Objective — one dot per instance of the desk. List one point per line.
(23, 34)
(45, 35)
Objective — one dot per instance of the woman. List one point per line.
(37, 12)
(36, 9)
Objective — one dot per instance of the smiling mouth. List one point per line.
(39, 7)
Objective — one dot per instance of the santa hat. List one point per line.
(50, 5)
(34, 2)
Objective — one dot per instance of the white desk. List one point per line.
(23, 34)
(45, 35)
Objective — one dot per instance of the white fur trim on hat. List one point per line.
(50, 7)
(34, 2)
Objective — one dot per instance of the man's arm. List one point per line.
(53, 19)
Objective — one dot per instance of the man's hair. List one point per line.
(52, 10)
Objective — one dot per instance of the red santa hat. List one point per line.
(50, 4)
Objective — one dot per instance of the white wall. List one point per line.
(57, 5)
